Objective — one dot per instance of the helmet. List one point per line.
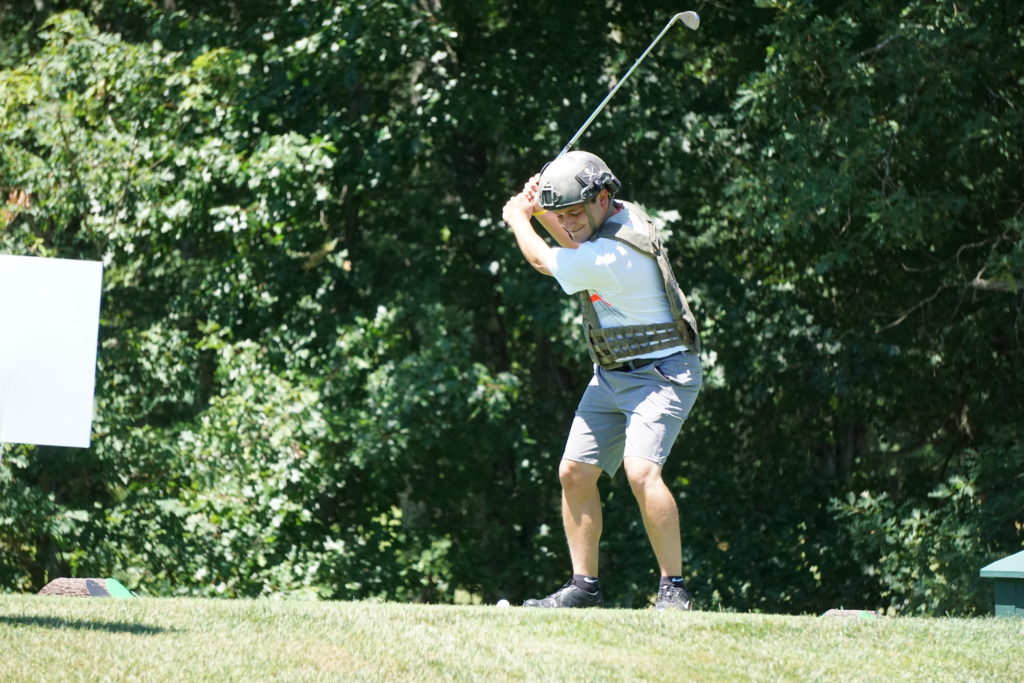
(575, 177)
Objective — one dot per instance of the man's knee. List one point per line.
(642, 474)
(577, 475)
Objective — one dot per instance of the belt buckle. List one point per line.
(635, 364)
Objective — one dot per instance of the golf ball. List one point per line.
(503, 603)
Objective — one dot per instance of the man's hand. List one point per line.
(517, 209)
(523, 204)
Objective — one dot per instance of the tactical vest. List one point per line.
(606, 344)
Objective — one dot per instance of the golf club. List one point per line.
(690, 20)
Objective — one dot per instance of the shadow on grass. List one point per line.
(86, 625)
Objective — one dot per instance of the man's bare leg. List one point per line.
(581, 514)
(659, 511)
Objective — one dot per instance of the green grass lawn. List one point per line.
(46, 638)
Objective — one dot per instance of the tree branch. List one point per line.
(992, 285)
(906, 314)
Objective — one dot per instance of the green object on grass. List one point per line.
(117, 589)
(1008, 575)
(858, 613)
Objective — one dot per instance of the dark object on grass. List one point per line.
(87, 588)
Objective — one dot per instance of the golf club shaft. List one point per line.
(690, 19)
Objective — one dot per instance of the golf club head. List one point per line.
(691, 20)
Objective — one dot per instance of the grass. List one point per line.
(151, 639)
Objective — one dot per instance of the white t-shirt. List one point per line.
(625, 285)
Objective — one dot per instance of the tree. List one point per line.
(325, 371)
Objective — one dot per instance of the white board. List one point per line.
(49, 328)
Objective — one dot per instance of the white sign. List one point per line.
(49, 328)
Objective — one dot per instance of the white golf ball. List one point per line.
(503, 603)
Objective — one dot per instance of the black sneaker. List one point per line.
(673, 597)
(569, 595)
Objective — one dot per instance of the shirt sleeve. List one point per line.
(583, 268)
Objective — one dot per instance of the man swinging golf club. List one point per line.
(643, 340)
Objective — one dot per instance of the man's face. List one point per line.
(581, 220)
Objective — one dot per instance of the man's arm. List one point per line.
(550, 222)
(554, 228)
(516, 214)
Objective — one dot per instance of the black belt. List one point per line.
(636, 364)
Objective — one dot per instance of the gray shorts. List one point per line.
(634, 413)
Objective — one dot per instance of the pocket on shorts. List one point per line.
(682, 369)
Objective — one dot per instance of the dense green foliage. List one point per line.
(324, 369)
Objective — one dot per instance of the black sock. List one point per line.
(673, 581)
(587, 583)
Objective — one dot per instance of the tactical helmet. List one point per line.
(575, 177)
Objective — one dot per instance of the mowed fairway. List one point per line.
(45, 638)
